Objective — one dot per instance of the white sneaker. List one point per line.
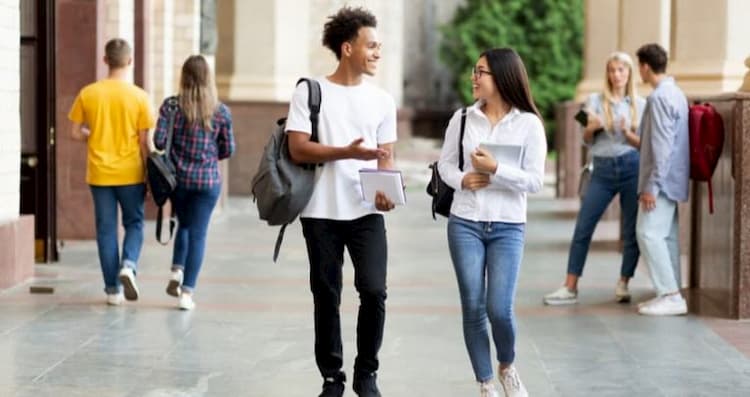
(667, 305)
(512, 385)
(488, 390)
(562, 296)
(174, 287)
(622, 295)
(127, 278)
(115, 299)
(647, 302)
(186, 302)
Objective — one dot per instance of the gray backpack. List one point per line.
(281, 188)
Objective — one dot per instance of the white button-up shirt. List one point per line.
(504, 200)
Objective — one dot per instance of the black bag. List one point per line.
(162, 178)
(441, 193)
(281, 188)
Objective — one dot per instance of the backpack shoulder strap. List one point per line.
(172, 105)
(461, 140)
(313, 103)
(159, 220)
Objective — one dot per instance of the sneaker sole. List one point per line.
(662, 314)
(560, 302)
(622, 299)
(129, 288)
(173, 288)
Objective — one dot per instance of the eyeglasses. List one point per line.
(478, 73)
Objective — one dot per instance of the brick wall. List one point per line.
(10, 129)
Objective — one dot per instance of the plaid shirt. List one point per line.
(195, 151)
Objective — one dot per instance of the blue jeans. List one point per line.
(106, 198)
(487, 257)
(658, 236)
(612, 175)
(193, 208)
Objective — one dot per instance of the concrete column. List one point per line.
(120, 23)
(80, 38)
(390, 15)
(620, 25)
(710, 60)
(285, 38)
(262, 49)
(10, 130)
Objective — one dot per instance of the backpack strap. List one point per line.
(279, 239)
(313, 103)
(159, 220)
(461, 140)
(172, 106)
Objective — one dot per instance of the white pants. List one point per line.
(657, 232)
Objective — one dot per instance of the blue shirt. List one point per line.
(665, 150)
(612, 142)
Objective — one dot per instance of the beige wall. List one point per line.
(119, 22)
(10, 128)
(285, 38)
(707, 50)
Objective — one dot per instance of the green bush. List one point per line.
(547, 34)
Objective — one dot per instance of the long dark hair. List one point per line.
(511, 80)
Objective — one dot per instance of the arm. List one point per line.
(448, 164)
(594, 124)
(632, 137)
(76, 132)
(304, 151)
(143, 141)
(530, 177)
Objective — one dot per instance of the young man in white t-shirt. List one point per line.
(356, 129)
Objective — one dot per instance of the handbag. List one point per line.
(585, 180)
(441, 193)
(161, 174)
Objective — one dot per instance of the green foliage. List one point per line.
(547, 34)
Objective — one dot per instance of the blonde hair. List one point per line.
(630, 91)
(197, 93)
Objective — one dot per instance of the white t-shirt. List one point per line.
(346, 113)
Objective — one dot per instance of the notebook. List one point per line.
(390, 182)
(508, 155)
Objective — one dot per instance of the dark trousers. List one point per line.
(365, 240)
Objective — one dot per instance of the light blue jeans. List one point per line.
(658, 238)
(106, 199)
(487, 257)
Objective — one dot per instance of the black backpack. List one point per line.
(281, 188)
(161, 173)
(441, 193)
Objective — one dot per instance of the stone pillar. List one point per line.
(746, 82)
(141, 44)
(709, 60)
(120, 23)
(79, 37)
(620, 25)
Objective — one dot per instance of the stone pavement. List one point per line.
(251, 334)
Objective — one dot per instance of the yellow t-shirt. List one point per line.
(114, 110)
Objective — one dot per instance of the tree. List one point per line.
(547, 34)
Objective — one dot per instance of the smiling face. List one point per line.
(363, 52)
(482, 84)
(618, 75)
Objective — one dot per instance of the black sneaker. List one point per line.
(333, 386)
(365, 385)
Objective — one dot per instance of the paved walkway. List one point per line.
(251, 334)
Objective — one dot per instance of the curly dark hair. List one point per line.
(344, 26)
(654, 56)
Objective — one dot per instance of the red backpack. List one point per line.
(706, 144)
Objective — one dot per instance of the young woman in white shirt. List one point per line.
(487, 222)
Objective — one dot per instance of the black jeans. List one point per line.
(365, 240)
